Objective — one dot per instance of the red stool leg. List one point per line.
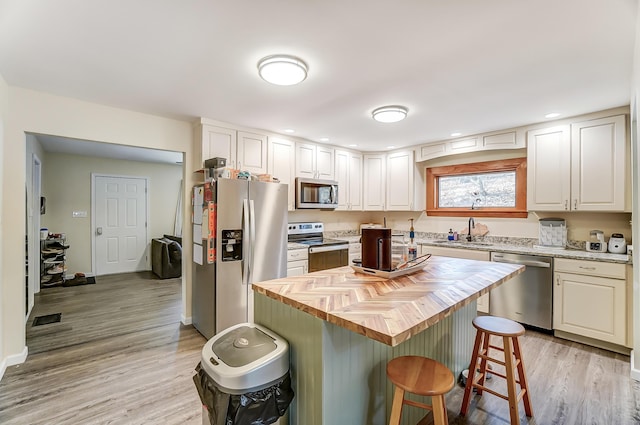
(522, 377)
(472, 367)
(511, 381)
(483, 361)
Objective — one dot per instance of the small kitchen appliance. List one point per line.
(596, 242)
(376, 249)
(617, 244)
(553, 232)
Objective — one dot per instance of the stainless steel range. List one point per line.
(324, 253)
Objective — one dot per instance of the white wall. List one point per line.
(36, 112)
(635, 164)
(67, 186)
(4, 318)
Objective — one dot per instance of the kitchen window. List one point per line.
(480, 189)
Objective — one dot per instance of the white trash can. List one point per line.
(244, 373)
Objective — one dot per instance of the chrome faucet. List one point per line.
(472, 225)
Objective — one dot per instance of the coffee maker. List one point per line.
(376, 249)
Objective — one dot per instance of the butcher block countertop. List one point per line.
(389, 310)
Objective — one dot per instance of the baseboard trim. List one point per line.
(593, 342)
(13, 360)
(634, 373)
(185, 320)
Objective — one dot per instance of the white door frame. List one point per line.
(93, 216)
(34, 237)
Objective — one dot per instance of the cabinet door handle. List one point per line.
(557, 280)
(566, 204)
(586, 268)
(575, 204)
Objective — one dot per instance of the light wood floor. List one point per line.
(121, 356)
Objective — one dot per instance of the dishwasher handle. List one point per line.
(500, 259)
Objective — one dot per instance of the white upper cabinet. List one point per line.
(348, 174)
(252, 152)
(581, 167)
(216, 142)
(314, 161)
(400, 182)
(281, 164)
(510, 139)
(374, 182)
(548, 169)
(598, 164)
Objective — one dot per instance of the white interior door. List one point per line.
(120, 225)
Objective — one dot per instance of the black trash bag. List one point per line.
(262, 407)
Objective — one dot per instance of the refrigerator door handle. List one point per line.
(252, 235)
(245, 225)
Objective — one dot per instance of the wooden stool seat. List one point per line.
(422, 376)
(509, 330)
(498, 326)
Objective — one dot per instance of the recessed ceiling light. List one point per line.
(456, 134)
(387, 114)
(353, 146)
(289, 130)
(282, 70)
(552, 115)
(324, 139)
(390, 147)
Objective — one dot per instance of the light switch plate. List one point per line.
(79, 214)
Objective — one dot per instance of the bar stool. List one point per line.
(422, 376)
(509, 330)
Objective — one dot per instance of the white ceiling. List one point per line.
(459, 66)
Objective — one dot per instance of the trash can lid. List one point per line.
(245, 357)
(243, 345)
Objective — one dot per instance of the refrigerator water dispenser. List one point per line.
(231, 245)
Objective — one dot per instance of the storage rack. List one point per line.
(53, 255)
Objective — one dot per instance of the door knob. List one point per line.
(98, 230)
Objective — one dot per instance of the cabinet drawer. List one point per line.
(297, 254)
(590, 268)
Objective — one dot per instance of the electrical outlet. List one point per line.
(79, 214)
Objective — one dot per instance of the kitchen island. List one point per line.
(343, 327)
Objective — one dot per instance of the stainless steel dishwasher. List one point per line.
(528, 297)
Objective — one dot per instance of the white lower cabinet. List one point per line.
(589, 299)
(355, 252)
(297, 262)
(470, 254)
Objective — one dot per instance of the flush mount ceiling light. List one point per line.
(388, 114)
(282, 70)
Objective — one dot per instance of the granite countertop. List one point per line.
(389, 310)
(532, 250)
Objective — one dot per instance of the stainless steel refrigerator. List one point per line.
(243, 239)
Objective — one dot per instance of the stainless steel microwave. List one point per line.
(314, 193)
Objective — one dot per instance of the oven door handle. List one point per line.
(316, 249)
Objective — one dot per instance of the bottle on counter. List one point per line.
(412, 249)
(450, 237)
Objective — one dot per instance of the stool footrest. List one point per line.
(417, 404)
